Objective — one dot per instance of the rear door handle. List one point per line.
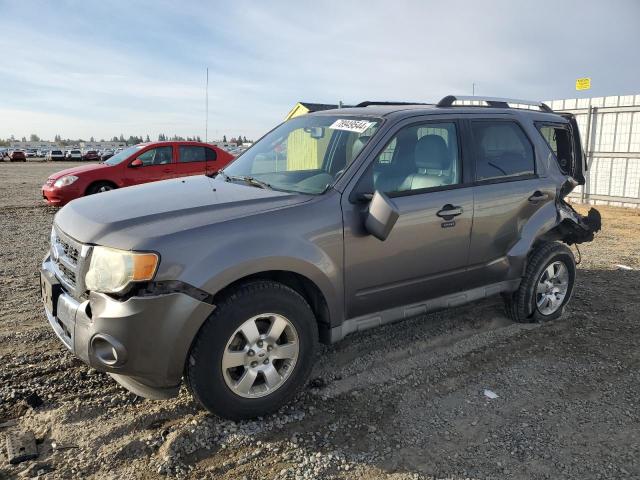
(538, 196)
(449, 211)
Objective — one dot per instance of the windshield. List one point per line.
(123, 155)
(305, 154)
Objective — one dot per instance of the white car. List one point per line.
(74, 154)
(55, 155)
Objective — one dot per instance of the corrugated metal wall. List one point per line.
(610, 131)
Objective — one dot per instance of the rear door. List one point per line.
(157, 164)
(194, 160)
(420, 169)
(509, 190)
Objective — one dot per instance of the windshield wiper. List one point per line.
(247, 179)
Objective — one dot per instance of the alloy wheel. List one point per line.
(552, 288)
(260, 355)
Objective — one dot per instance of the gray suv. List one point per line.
(332, 223)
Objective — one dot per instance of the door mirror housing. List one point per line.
(382, 216)
(136, 163)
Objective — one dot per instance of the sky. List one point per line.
(95, 68)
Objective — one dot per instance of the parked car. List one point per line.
(17, 156)
(145, 162)
(42, 153)
(106, 154)
(91, 155)
(55, 155)
(332, 223)
(74, 154)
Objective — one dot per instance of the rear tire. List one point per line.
(546, 287)
(223, 359)
(99, 187)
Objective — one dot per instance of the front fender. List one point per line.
(316, 256)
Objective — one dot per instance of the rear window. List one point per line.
(502, 150)
(194, 153)
(559, 140)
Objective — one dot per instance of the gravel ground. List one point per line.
(401, 402)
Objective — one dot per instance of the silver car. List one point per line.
(332, 223)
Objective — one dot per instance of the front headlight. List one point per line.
(64, 181)
(112, 270)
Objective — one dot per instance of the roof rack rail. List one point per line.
(492, 102)
(367, 103)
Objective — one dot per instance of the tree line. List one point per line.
(132, 140)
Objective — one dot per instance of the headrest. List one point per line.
(358, 145)
(431, 153)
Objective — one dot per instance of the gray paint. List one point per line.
(210, 233)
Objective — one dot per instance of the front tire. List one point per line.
(546, 286)
(99, 187)
(254, 352)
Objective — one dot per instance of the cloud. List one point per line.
(105, 68)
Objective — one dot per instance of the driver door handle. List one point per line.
(449, 211)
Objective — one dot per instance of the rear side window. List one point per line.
(190, 153)
(502, 150)
(559, 140)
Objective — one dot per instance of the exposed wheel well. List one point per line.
(301, 284)
(93, 184)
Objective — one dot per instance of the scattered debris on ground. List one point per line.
(405, 401)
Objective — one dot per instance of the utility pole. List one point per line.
(473, 89)
(206, 121)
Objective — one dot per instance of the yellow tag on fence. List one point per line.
(583, 84)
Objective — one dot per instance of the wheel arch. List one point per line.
(538, 230)
(303, 285)
(95, 182)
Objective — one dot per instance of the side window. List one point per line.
(417, 157)
(559, 140)
(156, 156)
(189, 153)
(502, 150)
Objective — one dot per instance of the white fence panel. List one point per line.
(610, 131)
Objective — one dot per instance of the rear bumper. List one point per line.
(141, 342)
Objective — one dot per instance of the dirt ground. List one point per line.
(401, 402)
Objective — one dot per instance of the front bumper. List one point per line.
(142, 342)
(59, 196)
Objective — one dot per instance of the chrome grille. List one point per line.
(69, 258)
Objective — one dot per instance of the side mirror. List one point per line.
(382, 216)
(136, 163)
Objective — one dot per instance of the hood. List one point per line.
(129, 217)
(77, 170)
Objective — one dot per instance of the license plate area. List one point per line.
(50, 291)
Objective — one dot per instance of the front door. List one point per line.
(426, 254)
(157, 164)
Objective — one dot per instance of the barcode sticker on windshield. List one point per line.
(357, 126)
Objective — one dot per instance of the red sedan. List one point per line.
(17, 156)
(142, 163)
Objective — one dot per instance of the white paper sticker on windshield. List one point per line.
(357, 126)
